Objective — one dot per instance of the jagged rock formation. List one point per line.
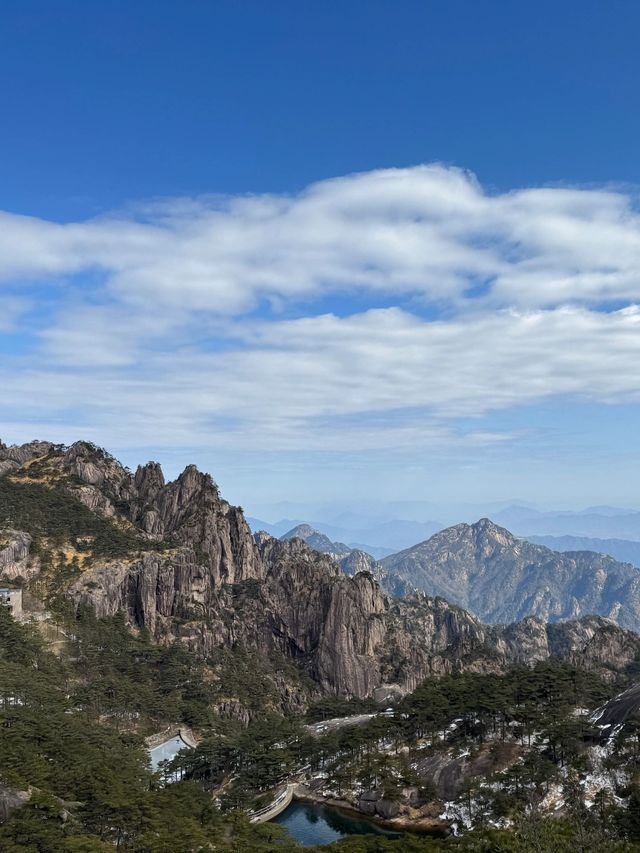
(194, 573)
(14, 456)
(359, 561)
(351, 560)
(500, 578)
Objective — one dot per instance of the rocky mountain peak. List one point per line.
(12, 456)
(317, 540)
(149, 480)
(486, 527)
(485, 568)
(95, 467)
(300, 531)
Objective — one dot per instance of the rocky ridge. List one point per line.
(351, 560)
(198, 576)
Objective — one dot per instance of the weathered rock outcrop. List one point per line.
(10, 800)
(358, 561)
(448, 773)
(14, 555)
(13, 456)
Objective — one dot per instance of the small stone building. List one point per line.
(12, 598)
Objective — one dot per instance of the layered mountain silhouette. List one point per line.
(351, 560)
(600, 522)
(624, 550)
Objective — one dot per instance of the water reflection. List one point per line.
(311, 823)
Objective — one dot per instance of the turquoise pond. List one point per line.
(312, 823)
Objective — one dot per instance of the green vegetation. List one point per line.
(92, 789)
(71, 730)
(56, 517)
(532, 698)
(330, 707)
(138, 681)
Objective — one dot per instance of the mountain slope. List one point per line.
(484, 568)
(180, 562)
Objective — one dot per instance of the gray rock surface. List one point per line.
(14, 555)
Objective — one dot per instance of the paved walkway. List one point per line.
(281, 802)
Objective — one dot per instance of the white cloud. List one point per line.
(427, 230)
(381, 379)
(151, 336)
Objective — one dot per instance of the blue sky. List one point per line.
(327, 250)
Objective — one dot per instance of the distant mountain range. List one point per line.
(497, 576)
(596, 522)
(382, 538)
(379, 540)
(175, 559)
(620, 549)
(316, 540)
(351, 560)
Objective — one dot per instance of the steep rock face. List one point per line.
(14, 554)
(149, 483)
(593, 643)
(358, 561)
(354, 630)
(191, 511)
(303, 607)
(186, 512)
(484, 568)
(153, 592)
(334, 621)
(428, 636)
